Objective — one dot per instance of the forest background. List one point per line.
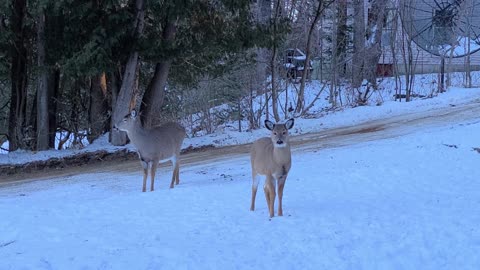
(74, 67)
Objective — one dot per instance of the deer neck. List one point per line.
(282, 155)
(137, 132)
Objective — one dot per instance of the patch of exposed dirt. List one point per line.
(370, 129)
(87, 159)
(81, 159)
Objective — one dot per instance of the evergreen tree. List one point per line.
(194, 38)
(80, 59)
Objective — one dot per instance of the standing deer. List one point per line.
(155, 145)
(272, 157)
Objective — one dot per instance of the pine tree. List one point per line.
(196, 38)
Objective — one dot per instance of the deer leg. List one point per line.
(174, 163)
(267, 197)
(153, 171)
(145, 174)
(254, 190)
(272, 197)
(281, 185)
(177, 172)
(177, 175)
(269, 189)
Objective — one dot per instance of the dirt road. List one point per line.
(368, 131)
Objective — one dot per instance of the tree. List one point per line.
(374, 31)
(98, 106)
(406, 57)
(18, 76)
(64, 64)
(367, 45)
(263, 15)
(124, 100)
(358, 42)
(197, 38)
(320, 7)
(273, 59)
(42, 85)
(342, 38)
(152, 101)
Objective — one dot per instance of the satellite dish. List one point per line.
(447, 28)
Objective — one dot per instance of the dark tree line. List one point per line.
(73, 65)
(77, 67)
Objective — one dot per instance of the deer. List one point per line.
(271, 156)
(155, 145)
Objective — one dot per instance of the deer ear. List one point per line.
(133, 114)
(289, 123)
(269, 125)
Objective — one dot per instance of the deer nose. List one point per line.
(279, 142)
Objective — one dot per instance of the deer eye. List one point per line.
(284, 133)
(274, 133)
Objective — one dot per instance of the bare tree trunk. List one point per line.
(251, 117)
(441, 85)
(267, 112)
(358, 43)
(301, 93)
(153, 98)
(239, 109)
(18, 99)
(449, 67)
(407, 58)
(273, 65)
(374, 34)
(42, 86)
(468, 74)
(97, 112)
(53, 89)
(126, 94)
(332, 98)
(393, 49)
(410, 72)
(274, 85)
(341, 48)
(113, 81)
(124, 98)
(263, 15)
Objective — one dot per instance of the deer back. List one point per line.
(158, 143)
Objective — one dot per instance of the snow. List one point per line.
(402, 203)
(301, 57)
(408, 202)
(460, 48)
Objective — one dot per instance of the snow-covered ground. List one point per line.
(405, 203)
(410, 202)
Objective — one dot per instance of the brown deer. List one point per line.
(158, 144)
(272, 157)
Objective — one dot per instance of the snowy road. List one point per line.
(397, 193)
(368, 131)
